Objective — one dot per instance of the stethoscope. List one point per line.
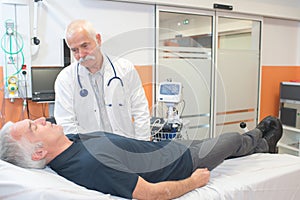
(84, 92)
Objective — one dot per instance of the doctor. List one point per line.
(99, 92)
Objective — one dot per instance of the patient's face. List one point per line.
(36, 131)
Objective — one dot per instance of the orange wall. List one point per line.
(145, 73)
(13, 111)
(271, 78)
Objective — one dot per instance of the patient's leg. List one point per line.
(210, 153)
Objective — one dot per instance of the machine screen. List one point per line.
(170, 89)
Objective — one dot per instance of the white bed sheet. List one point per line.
(255, 177)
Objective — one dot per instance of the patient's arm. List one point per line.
(170, 189)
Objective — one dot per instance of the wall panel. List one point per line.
(271, 78)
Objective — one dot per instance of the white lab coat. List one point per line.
(127, 107)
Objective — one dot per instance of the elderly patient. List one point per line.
(127, 167)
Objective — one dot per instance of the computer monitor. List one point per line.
(170, 92)
(42, 83)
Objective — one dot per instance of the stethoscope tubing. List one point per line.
(115, 74)
(84, 92)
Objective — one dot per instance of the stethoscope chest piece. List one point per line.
(84, 92)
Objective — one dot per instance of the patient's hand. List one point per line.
(170, 189)
(200, 177)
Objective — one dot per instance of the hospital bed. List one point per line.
(254, 177)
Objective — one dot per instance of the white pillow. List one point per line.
(18, 183)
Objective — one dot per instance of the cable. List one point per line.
(28, 114)
(25, 99)
(182, 109)
(154, 123)
(2, 112)
(9, 25)
(160, 128)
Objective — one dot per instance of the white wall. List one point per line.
(280, 42)
(124, 26)
(127, 30)
(272, 8)
(298, 44)
(114, 20)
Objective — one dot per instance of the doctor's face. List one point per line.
(85, 49)
(38, 130)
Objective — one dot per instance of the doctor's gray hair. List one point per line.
(78, 25)
(18, 152)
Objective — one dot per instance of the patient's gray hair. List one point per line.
(18, 152)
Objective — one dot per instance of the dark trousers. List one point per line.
(209, 153)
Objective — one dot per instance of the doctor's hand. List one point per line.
(200, 177)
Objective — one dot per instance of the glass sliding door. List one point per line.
(237, 72)
(184, 54)
(216, 57)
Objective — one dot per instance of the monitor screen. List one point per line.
(170, 92)
(42, 82)
(170, 89)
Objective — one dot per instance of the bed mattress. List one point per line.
(254, 177)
